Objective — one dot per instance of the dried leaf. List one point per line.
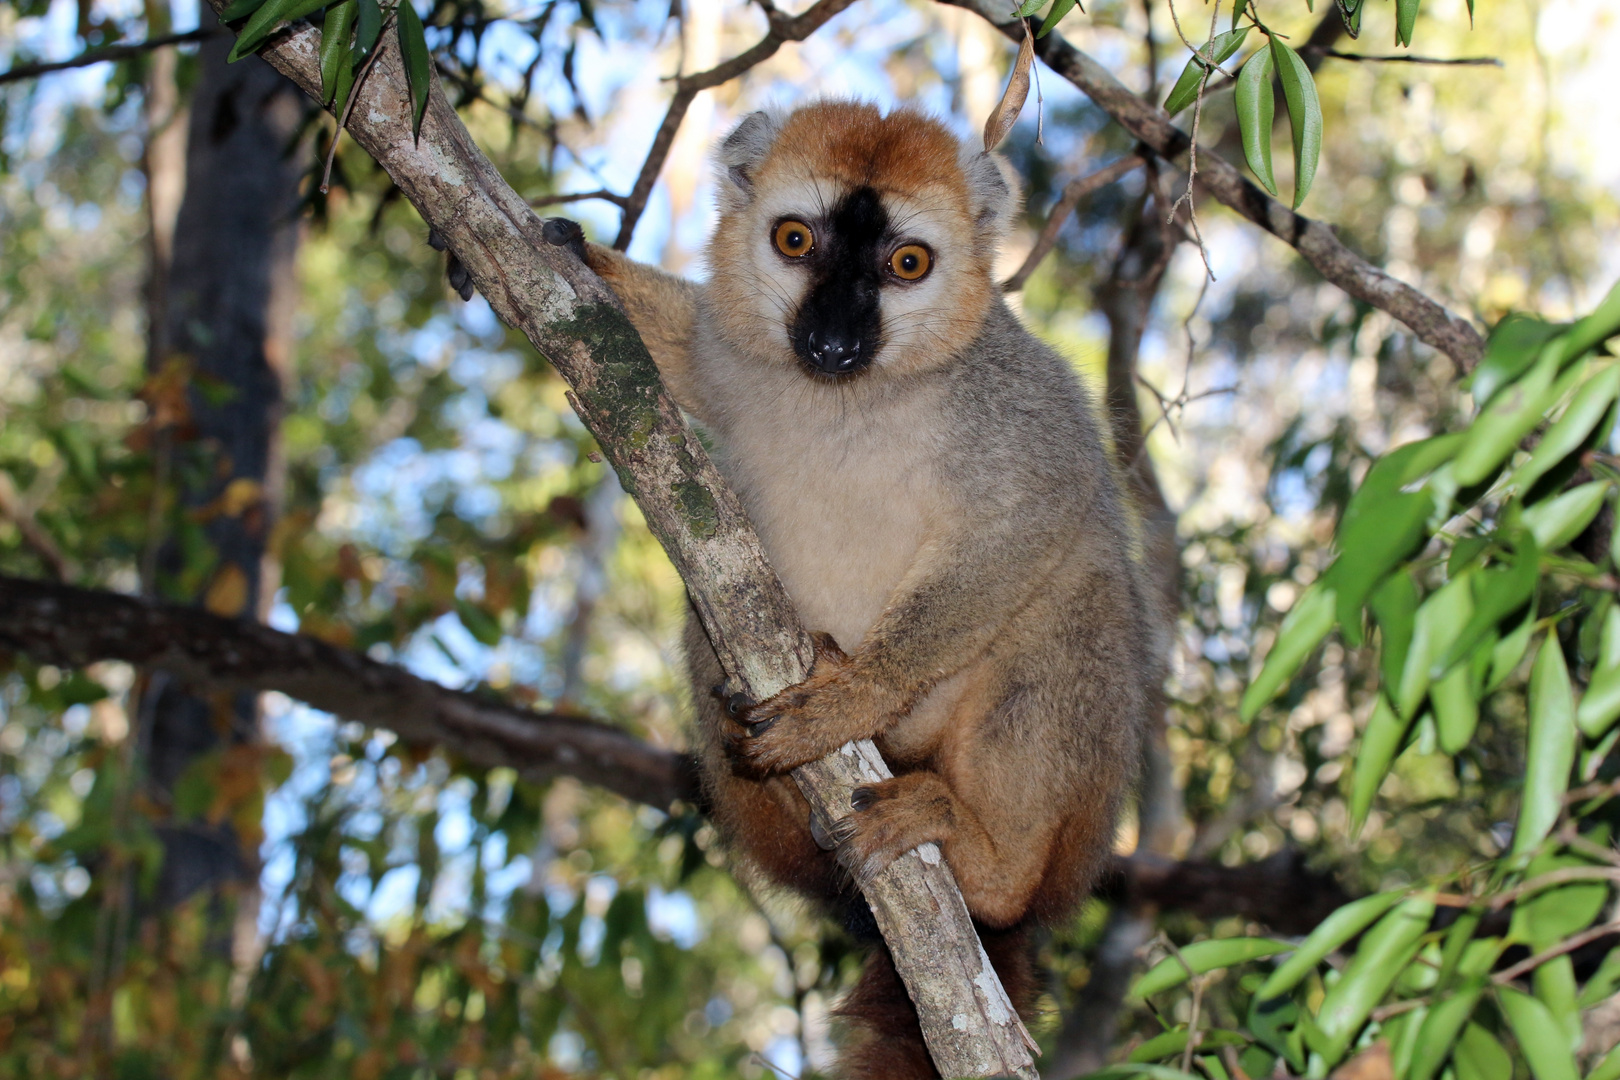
(1005, 114)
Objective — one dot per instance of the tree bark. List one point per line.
(575, 321)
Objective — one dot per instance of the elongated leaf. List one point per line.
(1509, 417)
(1237, 11)
(1604, 982)
(1302, 630)
(1055, 16)
(1272, 1021)
(1554, 985)
(1029, 7)
(1386, 729)
(1556, 522)
(1608, 1068)
(1304, 115)
(1371, 542)
(1507, 653)
(239, 9)
(1385, 951)
(1445, 1021)
(1500, 592)
(335, 47)
(1545, 918)
(418, 64)
(1204, 956)
(1591, 401)
(1256, 110)
(1394, 605)
(1186, 88)
(1402, 1032)
(1335, 930)
(1540, 1036)
(265, 20)
(1174, 1042)
(1480, 1057)
(1513, 346)
(1552, 747)
(1594, 329)
(1600, 705)
(1456, 709)
(1439, 623)
(367, 28)
(1005, 114)
(1406, 12)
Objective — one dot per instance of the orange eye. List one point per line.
(794, 239)
(910, 262)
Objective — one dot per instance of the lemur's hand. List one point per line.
(565, 232)
(804, 723)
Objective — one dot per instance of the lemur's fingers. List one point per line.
(565, 232)
(891, 817)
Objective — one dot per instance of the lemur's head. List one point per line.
(852, 241)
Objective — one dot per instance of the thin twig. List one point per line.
(354, 95)
(1384, 1012)
(15, 509)
(1458, 61)
(122, 51)
(1569, 944)
(1073, 192)
(578, 196)
(1208, 55)
(1555, 877)
(783, 28)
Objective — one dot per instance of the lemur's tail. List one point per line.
(883, 1041)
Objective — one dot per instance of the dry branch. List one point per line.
(783, 28)
(72, 627)
(121, 51)
(1073, 192)
(575, 321)
(1315, 240)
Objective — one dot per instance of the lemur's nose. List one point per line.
(833, 353)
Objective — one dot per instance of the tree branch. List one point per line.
(576, 322)
(1073, 192)
(1458, 61)
(1313, 239)
(72, 627)
(122, 51)
(783, 28)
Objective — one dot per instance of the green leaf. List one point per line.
(1371, 542)
(1547, 917)
(1301, 631)
(1237, 11)
(1600, 705)
(479, 623)
(1270, 1021)
(1256, 111)
(1552, 747)
(1541, 1037)
(1554, 985)
(335, 59)
(1440, 1029)
(1607, 1069)
(1304, 115)
(1556, 522)
(1501, 591)
(1591, 401)
(1456, 709)
(1513, 346)
(1507, 653)
(367, 28)
(1603, 323)
(1385, 951)
(418, 64)
(1394, 606)
(1172, 1043)
(1480, 1057)
(1335, 930)
(1029, 8)
(1406, 12)
(1192, 76)
(1510, 416)
(1055, 16)
(1386, 729)
(1402, 1034)
(1204, 956)
(1439, 623)
(264, 23)
(1604, 982)
(239, 9)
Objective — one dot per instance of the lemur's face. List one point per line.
(851, 242)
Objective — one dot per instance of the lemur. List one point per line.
(932, 485)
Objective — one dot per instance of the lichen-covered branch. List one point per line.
(1315, 240)
(574, 320)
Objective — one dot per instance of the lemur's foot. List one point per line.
(565, 232)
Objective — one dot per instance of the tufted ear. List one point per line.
(741, 154)
(994, 191)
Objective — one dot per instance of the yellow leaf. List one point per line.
(228, 593)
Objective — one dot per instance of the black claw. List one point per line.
(862, 798)
(762, 727)
(563, 232)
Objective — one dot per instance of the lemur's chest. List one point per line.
(843, 491)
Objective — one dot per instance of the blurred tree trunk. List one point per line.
(221, 335)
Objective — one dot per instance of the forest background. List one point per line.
(198, 883)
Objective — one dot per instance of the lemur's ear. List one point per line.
(994, 191)
(741, 154)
